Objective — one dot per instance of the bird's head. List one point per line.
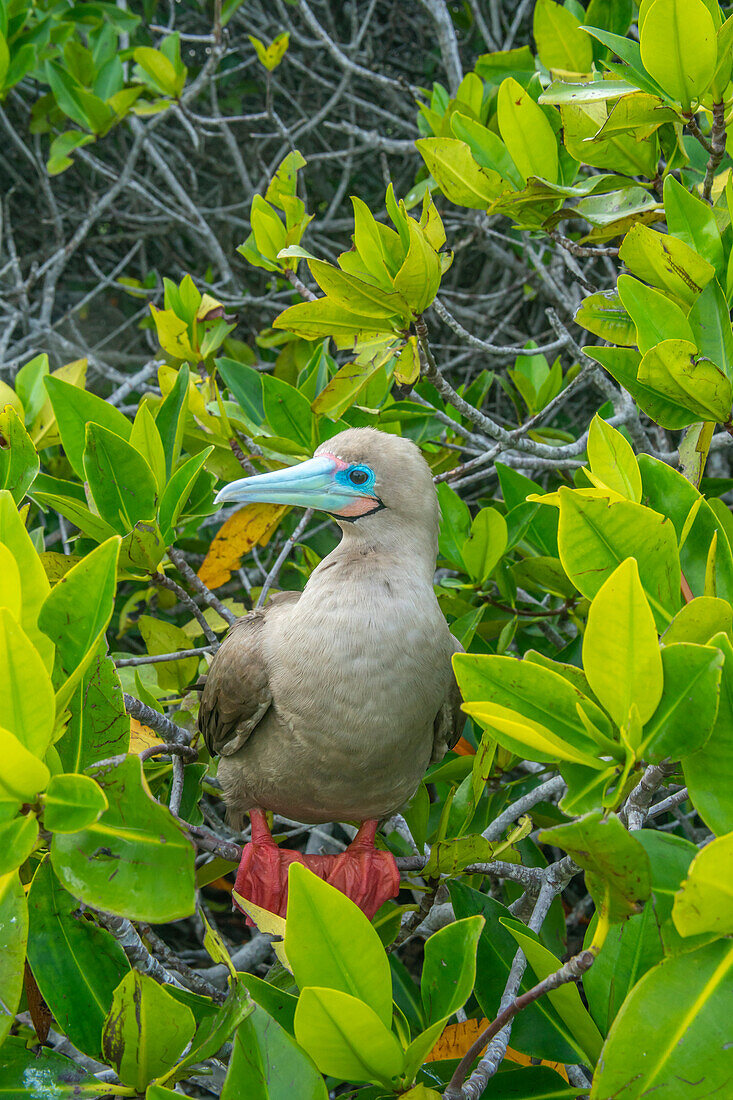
(365, 478)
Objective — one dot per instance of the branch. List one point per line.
(636, 809)
(161, 658)
(717, 150)
(300, 286)
(156, 720)
(166, 582)
(195, 581)
(290, 542)
(571, 971)
(137, 953)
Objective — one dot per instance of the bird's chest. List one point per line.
(365, 661)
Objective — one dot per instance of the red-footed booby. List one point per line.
(329, 704)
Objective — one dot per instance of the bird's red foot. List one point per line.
(367, 876)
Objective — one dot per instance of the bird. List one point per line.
(328, 705)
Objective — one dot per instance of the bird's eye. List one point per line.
(358, 477)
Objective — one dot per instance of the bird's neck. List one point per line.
(386, 547)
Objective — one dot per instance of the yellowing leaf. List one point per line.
(526, 737)
(457, 174)
(457, 1039)
(270, 56)
(265, 921)
(248, 526)
(407, 367)
(172, 333)
(142, 737)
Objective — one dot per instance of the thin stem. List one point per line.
(274, 573)
(162, 581)
(717, 150)
(299, 285)
(156, 720)
(160, 658)
(195, 581)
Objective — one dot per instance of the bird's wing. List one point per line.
(450, 719)
(236, 695)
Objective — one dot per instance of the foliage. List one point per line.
(591, 586)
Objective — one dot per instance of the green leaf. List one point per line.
(711, 328)
(24, 776)
(623, 364)
(669, 492)
(621, 654)
(329, 942)
(486, 544)
(691, 220)
(356, 295)
(501, 690)
(324, 317)
(655, 316)
(418, 278)
(457, 174)
(698, 620)
(44, 1075)
(537, 1030)
(88, 522)
(98, 724)
(612, 459)
(665, 262)
(714, 801)
(77, 966)
(161, 71)
(586, 140)
(566, 999)
(676, 371)
(679, 48)
(27, 701)
(120, 479)
(686, 713)
(676, 1023)
(74, 408)
(18, 458)
(72, 802)
(487, 148)
(345, 1037)
(288, 411)
(634, 947)
(449, 969)
(342, 390)
(178, 490)
(33, 580)
(616, 866)
(595, 536)
(146, 1030)
(145, 438)
(77, 611)
(18, 838)
(171, 418)
(218, 1027)
(164, 637)
(276, 1002)
(135, 861)
(526, 132)
(703, 903)
(561, 43)
(13, 938)
(266, 1064)
(603, 314)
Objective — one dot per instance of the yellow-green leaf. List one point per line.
(561, 43)
(612, 459)
(621, 654)
(526, 132)
(704, 902)
(679, 48)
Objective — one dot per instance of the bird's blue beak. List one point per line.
(318, 483)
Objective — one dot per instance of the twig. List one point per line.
(636, 809)
(571, 971)
(156, 721)
(290, 542)
(209, 597)
(717, 149)
(669, 803)
(168, 750)
(160, 658)
(167, 582)
(300, 286)
(137, 953)
(194, 980)
(545, 791)
(576, 249)
(174, 802)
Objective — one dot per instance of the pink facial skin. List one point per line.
(360, 506)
